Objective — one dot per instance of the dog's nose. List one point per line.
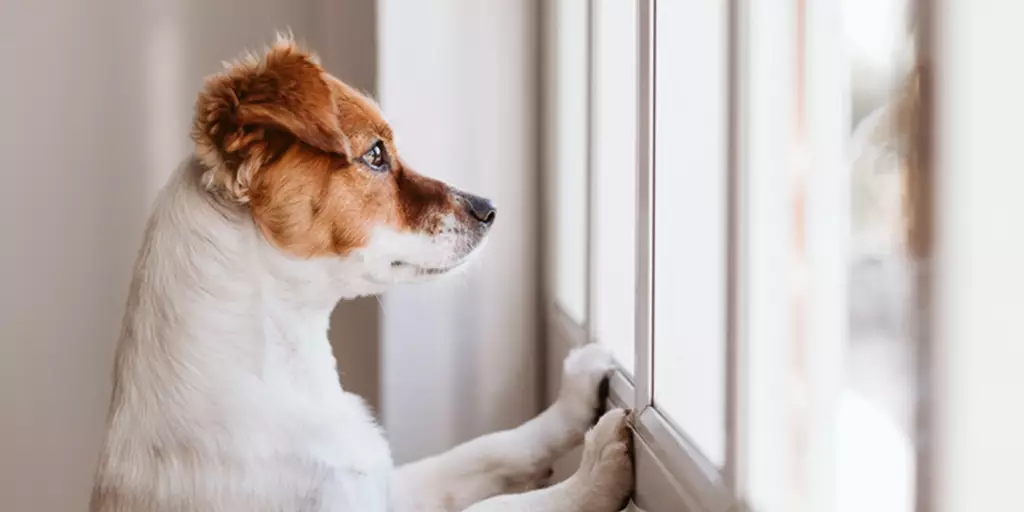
(481, 209)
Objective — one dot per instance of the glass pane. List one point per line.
(613, 163)
(877, 402)
(568, 154)
(690, 231)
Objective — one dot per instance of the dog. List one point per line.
(226, 395)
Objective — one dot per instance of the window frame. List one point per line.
(670, 468)
(769, 53)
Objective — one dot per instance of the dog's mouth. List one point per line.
(442, 265)
(424, 271)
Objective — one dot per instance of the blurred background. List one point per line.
(835, 324)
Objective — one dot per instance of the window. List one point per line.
(656, 256)
(753, 241)
(568, 99)
(876, 405)
(613, 140)
(690, 219)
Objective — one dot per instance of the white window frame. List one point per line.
(672, 474)
(970, 441)
(765, 53)
(665, 458)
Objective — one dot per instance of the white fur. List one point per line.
(227, 398)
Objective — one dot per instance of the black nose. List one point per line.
(481, 209)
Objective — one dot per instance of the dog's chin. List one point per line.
(403, 272)
(417, 269)
(422, 272)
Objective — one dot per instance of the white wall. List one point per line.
(978, 326)
(458, 81)
(95, 103)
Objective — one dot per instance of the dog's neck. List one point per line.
(211, 297)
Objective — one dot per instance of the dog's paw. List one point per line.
(582, 374)
(606, 471)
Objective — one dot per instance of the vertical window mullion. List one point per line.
(766, 79)
(733, 285)
(826, 222)
(645, 206)
(591, 203)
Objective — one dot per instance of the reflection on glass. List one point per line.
(876, 453)
(690, 214)
(613, 168)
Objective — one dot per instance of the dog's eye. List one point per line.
(376, 158)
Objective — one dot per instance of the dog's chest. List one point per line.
(272, 459)
(316, 454)
(352, 462)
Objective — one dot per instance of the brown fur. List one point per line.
(284, 136)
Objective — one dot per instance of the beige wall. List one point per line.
(458, 80)
(347, 45)
(95, 102)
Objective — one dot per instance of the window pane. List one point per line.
(568, 154)
(876, 406)
(836, 349)
(690, 253)
(613, 163)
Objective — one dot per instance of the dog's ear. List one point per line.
(255, 108)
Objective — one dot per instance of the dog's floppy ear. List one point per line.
(251, 110)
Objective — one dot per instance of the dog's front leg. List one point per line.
(514, 460)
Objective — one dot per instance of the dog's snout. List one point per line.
(481, 209)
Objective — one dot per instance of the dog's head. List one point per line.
(316, 164)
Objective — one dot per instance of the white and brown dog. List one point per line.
(226, 394)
